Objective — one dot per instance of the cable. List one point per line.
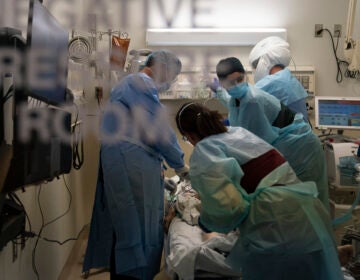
(78, 155)
(8, 94)
(352, 74)
(15, 198)
(67, 210)
(66, 240)
(38, 236)
(293, 61)
(339, 62)
(43, 225)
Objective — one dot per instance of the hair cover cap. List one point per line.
(168, 58)
(267, 53)
(227, 66)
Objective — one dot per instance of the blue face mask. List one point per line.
(239, 90)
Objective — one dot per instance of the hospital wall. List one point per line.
(298, 17)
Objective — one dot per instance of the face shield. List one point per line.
(266, 54)
(166, 69)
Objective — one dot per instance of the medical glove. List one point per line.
(183, 172)
(214, 85)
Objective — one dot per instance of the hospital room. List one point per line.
(179, 139)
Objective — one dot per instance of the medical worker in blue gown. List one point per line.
(265, 116)
(245, 183)
(269, 59)
(127, 222)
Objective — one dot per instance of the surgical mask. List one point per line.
(239, 90)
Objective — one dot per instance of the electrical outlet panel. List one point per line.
(306, 77)
(318, 27)
(337, 30)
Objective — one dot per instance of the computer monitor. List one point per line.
(47, 45)
(337, 112)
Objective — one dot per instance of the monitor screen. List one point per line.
(47, 46)
(337, 112)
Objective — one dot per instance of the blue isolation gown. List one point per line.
(256, 112)
(136, 137)
(285, 87)
(285, 231)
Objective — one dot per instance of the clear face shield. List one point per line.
(232, 80)
(165, 76)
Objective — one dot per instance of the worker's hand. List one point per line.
(213, 85)
(345, 253)
(206, 236)
(183, 172)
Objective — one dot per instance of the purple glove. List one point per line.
(214, 85)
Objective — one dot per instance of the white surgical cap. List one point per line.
(269, 52)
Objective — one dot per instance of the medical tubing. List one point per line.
(347, 215)
(326, 242)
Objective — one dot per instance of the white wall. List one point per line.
(133, 16)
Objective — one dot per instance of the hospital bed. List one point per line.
(189, 253)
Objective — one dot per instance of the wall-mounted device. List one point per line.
(44, 74)
(47, 45)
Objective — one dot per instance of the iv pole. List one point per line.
(352, 47)
(109, 32)
(350, 24)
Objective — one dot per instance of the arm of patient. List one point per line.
(168, 218)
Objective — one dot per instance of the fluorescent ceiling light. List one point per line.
(210, 36)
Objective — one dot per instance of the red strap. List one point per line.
(256, 169)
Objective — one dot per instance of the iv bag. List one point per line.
(118, 52)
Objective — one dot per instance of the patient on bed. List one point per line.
(187, 207)
(190, 252)
(186, 241)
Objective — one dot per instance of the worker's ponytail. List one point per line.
(200, 120)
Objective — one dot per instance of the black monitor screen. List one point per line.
(47, 45)
(337, 112)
